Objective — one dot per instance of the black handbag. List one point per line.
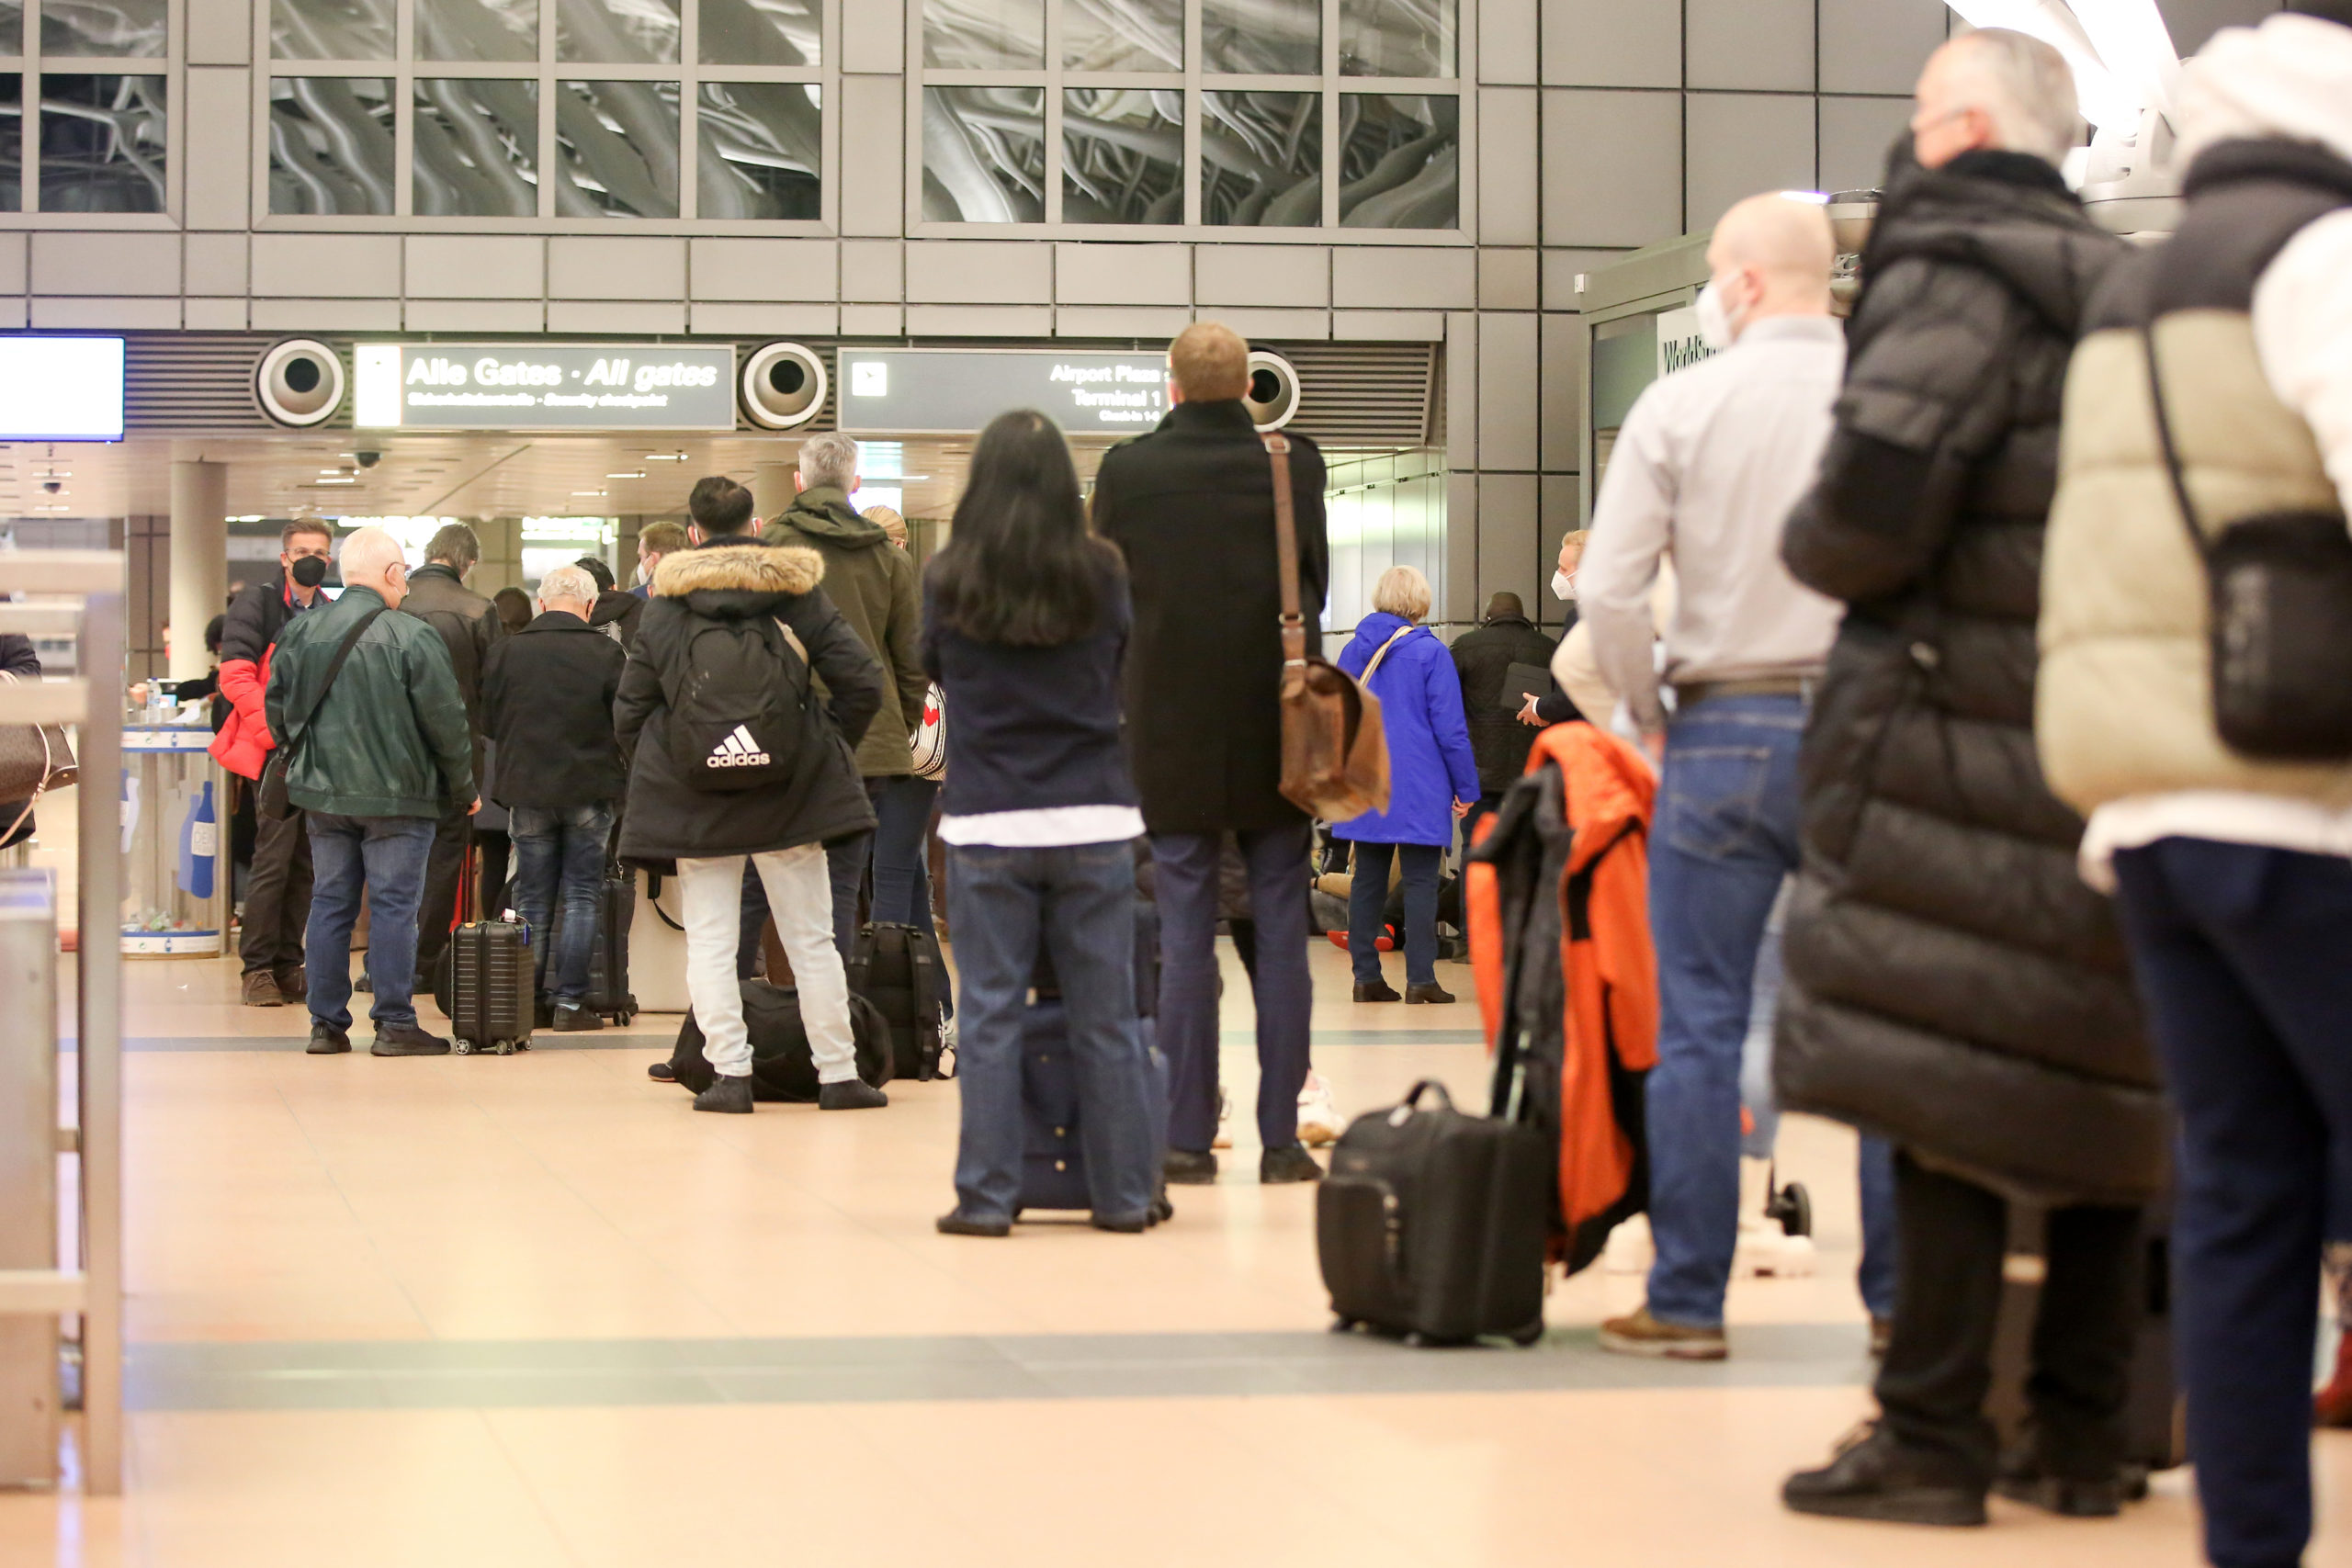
(2280, 588)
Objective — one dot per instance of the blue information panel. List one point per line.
(956, 391)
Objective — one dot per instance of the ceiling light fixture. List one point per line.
(638, 475)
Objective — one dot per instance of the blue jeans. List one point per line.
(1724, 837)
(902, 825)
(560, 863)
(1187, 884)
(1368, 901)
(384, 858)
(1079, 901)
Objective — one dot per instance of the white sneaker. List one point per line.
(1630, 1249)
(1319, 1118)
(1224, 1140)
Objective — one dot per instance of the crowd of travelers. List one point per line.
(1982, 825)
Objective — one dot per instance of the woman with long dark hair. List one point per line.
(1025, 618)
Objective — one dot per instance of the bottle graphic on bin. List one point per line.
(199, 841)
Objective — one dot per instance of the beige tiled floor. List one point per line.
(559, 1196)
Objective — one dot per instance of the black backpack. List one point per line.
(740, 704)
(897, 968)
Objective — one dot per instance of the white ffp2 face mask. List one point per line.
(1716, 329)
(1564, 587)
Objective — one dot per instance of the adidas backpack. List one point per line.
(740, 694)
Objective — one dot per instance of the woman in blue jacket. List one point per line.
(1432, 779)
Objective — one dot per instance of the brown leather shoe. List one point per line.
(293, 983)
(261, 989)
(1428, 991)
(1639, 1333)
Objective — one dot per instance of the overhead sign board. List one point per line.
(543, 386)
(61, 388)
(956, 391)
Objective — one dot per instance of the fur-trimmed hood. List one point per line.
(738, 567)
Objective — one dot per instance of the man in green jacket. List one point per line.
(374, 756)
(872, 584)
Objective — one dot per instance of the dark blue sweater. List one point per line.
(1029, 727)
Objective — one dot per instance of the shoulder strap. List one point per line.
(2196, 540)
(301, 726)
(1286, 550)
(1399, 634)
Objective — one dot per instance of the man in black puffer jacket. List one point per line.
(1952, 984)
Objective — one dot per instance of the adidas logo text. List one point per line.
(739, 750)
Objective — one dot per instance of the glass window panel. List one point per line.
(12, 28)
(101, 143)
(984, 35)
(11, 142)
(764, 32)
(617, 32)
(1261, 159)
(1398, 38)
(478, 29)
(1265, 38)
(762, 145)
(1122, 35)
(1123, 155)
(1400, 162)
(112, 28)
(618, 153)
(331, 29)
(984, 154)
(331, 145)
(476, 152)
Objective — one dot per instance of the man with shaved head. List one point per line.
(1707, 464)
(369, 716)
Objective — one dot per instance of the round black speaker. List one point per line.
(300, 382)
(784, 384)
(1272, 398)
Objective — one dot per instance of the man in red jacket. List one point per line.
(277, 893)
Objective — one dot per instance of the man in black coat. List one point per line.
(469, 626)
(547, 702)
(1952, 984)
(1192, 506)
(1483, 659)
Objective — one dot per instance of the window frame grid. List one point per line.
(31, 64)
(405, 71)
(1195, 80)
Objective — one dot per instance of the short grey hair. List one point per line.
(829, 459)
(1402, 591)
(571, 583)
(365, 554)
(2024, 86)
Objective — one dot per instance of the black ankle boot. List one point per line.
(1377, 991)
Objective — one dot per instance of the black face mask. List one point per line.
(309, 570)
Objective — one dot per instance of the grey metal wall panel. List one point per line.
(220, 32)
(1750, 43)
(13, 315)
(1507, 42)
(765, 321)
(1461, 546)
(215, 263)
(1388, 326)
(1122, 274)
(1462, 390)
(1262, 275)
(326, 315)
(1560, 270)
(1856, 135)
(1563, 355)
(981, 272)
(642, 316)
(597, 266)
(1743, 143)
(215, 157)
(874, 36)
(1507, 192)
(763, 269)
(476, 316)
(107, 315)
(14, 272)
(1613, 168)
(1507, 281)
(872, 320)
(343, 266)
(1370, 276)
(1613, 44)
(214, 315)
(1509, 539)
(1269, 325)
(476, 266)
(1151, 323)
(1559, 507)
(1878, 46)
(873, 270)
(1507, 390)
(979, 321)
(873, 138)
(106, 264)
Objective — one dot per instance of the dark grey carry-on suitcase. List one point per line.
(485, 987)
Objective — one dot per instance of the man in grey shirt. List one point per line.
(1706, 470)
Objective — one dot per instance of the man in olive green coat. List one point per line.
(872, 584)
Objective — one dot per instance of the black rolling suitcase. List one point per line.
(897, 968)
(608, 992)
(1433, 1224)
(486, 987)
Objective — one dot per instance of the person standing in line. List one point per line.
(873, 585)
(1952, 984)
(1483, 658)
(377, 752)
(616, 613)
(902, 863)
(730, 584)
(277, 890)
(1191, 506)
(2233, 873)
(1705, 469)
(1432, 781)
(493, 846)
(548, 698)
(469, 627)
(654, 541)
(1025, 615)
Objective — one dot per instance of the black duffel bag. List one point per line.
(782, 1067)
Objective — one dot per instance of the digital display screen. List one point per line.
(543, 386)
(61, 388)
(917, 391)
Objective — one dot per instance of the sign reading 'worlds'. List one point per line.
(918, 391)
(543, 386)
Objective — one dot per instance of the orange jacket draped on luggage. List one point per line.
(1610, 969)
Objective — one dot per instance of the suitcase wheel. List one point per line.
(464, 1046)
(1792, 1206)
(1529, 1334)
(505, 1047)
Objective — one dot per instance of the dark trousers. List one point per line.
(381, 859)
(493, 857)
(1939, 1367)
(2241, 953)
(444, 868)
(1186, 867)
(901, 833)
(277, 894)
(1368, 907)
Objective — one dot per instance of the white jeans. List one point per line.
(801, 898)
